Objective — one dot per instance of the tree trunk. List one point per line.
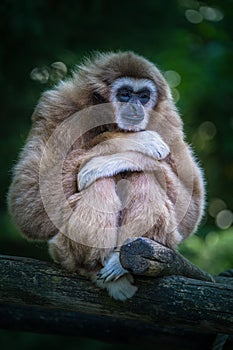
(170, 313)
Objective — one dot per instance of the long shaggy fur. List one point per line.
(164, 203)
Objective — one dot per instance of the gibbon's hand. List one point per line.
(146, 142)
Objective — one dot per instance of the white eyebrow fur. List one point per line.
(136, 84)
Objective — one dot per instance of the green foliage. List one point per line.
(189, 38)
(212, 253)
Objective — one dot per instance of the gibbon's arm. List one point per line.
(110, 165)
(122, 152)
(146, 142)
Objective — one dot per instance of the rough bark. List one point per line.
(170, 313)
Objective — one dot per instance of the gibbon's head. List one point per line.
(133, 84)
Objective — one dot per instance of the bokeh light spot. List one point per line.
(224, 219)
(175, 95)
(211, 238)
(215, 206)
(211, 13)
(40, 74)
(207, 130)
(193, 16)
(173, 78)
(58, 71)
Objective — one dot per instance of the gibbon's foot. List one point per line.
(115, 279)
(112, 269)
(121, 289)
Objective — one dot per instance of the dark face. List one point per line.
(133, 100)
(133, 110)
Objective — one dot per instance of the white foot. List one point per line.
(115, 279)
(112, 269)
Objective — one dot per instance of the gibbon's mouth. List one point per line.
(134, 119)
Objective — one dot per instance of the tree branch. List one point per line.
(170, 312)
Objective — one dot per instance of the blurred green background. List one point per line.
(190, 41)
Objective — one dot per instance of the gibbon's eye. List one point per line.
(144, 96)
(124, 94)
(124, 97)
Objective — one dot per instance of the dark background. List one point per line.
(190, 41)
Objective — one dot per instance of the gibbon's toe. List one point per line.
(121, 289)
(112, 269)
(115, 279)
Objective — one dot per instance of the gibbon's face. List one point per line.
(133, 99)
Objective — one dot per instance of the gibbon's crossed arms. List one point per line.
(133, 176)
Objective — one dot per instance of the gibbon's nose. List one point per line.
(137, 110)
(132, 113)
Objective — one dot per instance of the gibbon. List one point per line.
(129, 174)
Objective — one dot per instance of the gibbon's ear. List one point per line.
(98, 99)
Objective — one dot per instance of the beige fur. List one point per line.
(162, 200)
